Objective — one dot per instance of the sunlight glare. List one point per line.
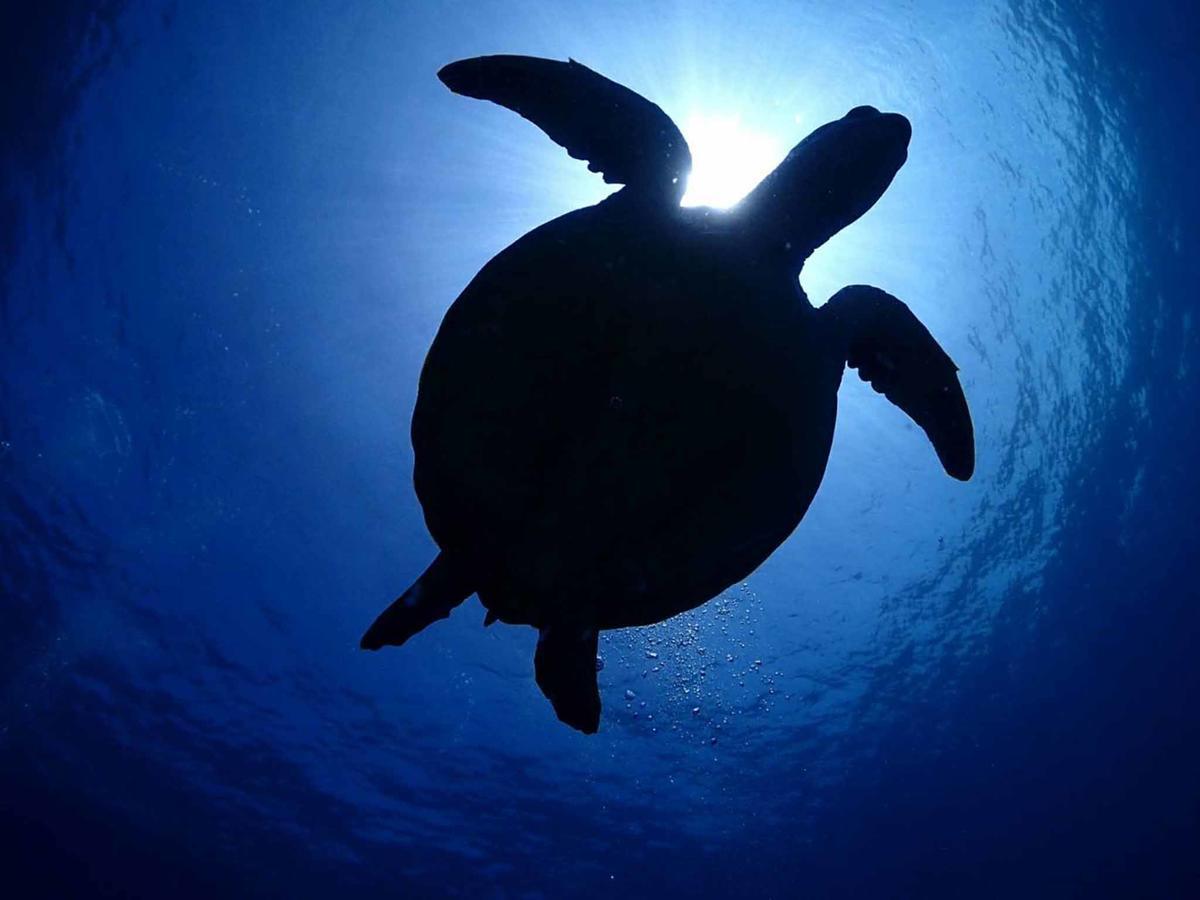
(728, 160)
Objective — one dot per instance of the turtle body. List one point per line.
(631, 407)
(644, 428)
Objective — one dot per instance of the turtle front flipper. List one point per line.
(565, 667)
(898, 356)
(621, 134)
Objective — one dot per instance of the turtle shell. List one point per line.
(621, 416)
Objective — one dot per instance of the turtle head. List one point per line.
(828, 180)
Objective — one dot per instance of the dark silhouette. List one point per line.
(632, 406)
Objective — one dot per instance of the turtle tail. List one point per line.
(442, 587)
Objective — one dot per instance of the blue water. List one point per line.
(228, 233)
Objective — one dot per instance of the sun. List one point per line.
(728, 159)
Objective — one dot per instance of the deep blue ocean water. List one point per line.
(228, 234)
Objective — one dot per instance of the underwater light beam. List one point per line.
(728, 159)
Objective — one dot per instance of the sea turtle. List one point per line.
(627, 410)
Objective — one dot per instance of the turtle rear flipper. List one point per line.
(900, 359)
(442, 587)
(565, 667)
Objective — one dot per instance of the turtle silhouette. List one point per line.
(628, 409)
